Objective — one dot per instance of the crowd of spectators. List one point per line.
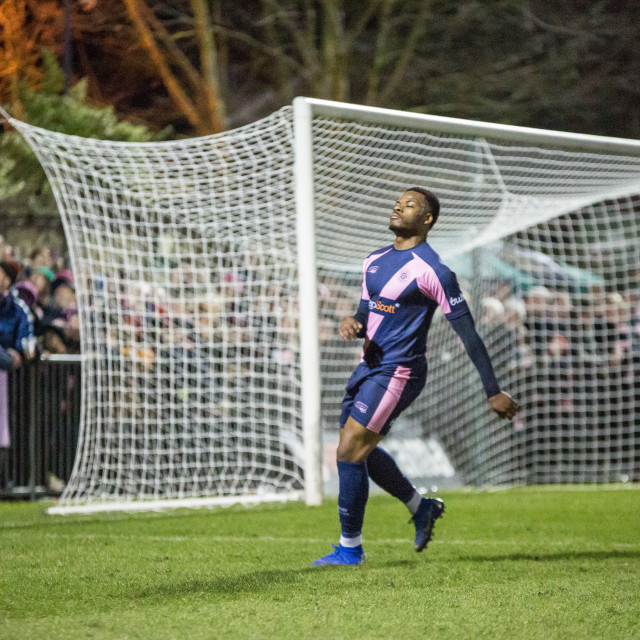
(573, 360)
(40, 292)
(589, 333)
(546, 328)
(594, 332)
(553, 348)
(38, 315)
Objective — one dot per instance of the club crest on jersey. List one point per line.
(361, 407)
(373, 269)
(454, 301)
(381, 306)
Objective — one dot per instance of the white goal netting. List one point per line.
(545, 239)
(186, 264)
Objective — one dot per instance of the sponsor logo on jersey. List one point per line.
(361, 407)
(454, 301)
(373, 269)
(381, 306)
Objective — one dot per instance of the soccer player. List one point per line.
(402, 285)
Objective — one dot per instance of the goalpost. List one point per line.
(543, 230)
(211, 274)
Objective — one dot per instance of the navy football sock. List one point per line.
(384, 471)
(352, 497)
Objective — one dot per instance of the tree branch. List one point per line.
(206, 45)
(336, 79)
(380, 53)
(303, 41)
(362, 22)
(417, 31)
(272, 51)
(180, 98)
(181, 60)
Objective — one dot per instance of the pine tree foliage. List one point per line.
(23, 185)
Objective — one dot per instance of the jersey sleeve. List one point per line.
(465, 327)
(362, 314)
(443, 287)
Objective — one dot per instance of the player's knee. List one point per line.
(350, 455)
(352, 449)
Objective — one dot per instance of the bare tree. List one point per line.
(269, 51)
(195, 91)
(204, 65)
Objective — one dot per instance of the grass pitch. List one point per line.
(518, 564)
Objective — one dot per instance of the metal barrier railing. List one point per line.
(44, 415)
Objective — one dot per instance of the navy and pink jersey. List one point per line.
(401, 290)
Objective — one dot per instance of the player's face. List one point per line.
(410, 216)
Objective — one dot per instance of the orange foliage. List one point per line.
(25, 27)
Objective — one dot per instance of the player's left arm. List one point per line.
(445, 290)
(501, 402)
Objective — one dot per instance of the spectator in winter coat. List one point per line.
(16, 337)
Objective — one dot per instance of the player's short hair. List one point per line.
(433, 203)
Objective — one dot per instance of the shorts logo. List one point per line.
(403, 275)
(373, 269)
(361, 406)
(454, 301)
(380, 306)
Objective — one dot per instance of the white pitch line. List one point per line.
(292, 540)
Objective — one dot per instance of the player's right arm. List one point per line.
(355, 326)
(350, 328)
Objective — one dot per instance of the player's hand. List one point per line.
(349, 328)
(504, 405)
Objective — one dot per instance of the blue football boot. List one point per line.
(341, 555)
(425, 517)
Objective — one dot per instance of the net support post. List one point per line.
(307, 301)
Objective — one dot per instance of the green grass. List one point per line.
(518, 564)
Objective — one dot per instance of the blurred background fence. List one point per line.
(44, 415)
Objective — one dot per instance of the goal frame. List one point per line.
(304, 110)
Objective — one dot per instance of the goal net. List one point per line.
(543, 231)
(212, 272)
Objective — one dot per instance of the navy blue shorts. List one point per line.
(374, 398)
